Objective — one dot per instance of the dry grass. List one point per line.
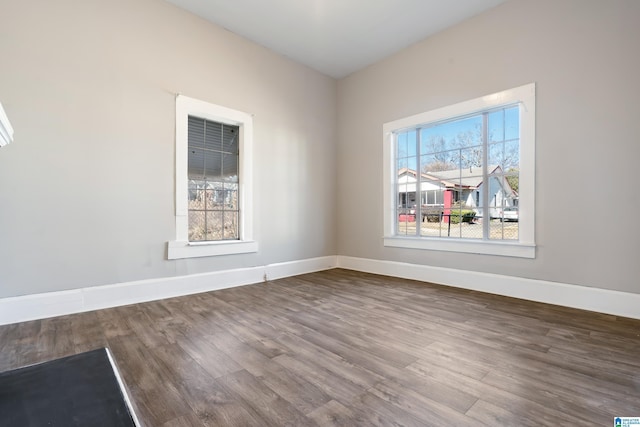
(498, 230)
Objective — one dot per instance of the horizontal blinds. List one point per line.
(213, 150)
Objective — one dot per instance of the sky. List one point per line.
(459, 141)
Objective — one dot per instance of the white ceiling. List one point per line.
(336, 37)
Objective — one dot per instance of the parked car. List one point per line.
(509, 214)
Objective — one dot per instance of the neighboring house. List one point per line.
(445, 188)
(432, 189)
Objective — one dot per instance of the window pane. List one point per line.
(512, 123)
(432, 225)
(406, 144)
(231, 179)
(468, 131)
(230, 139)
(231, 196)
(213, 165)
(406, 223)
(506, 155)
(402, 150)
(214, 225)
(196, 132)
(470, 160)
(230, 225)
(431, 187)
(204, 164)
(495, 155)
(435, 162)
(196, 194)
(496, 126)
(506, 221)
(229, 165)
(213, 136)
(513, 184)
(403, 163)
(504, 124)
(210, 195)
(452, 134)
(511, 155)
(196, 163)
(402, 191)
(432, 142)
(412, 143)
(197, 226)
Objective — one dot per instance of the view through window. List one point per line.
(459, 178)
(213, 160)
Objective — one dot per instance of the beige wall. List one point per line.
(585, 58)
(87, 187)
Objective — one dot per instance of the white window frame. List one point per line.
(525, 246)
(182, 247)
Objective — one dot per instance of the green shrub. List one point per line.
(465, 216)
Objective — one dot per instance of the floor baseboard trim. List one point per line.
(51, 304)
(294, 268)
(617, 303)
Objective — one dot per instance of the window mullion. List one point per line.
(396, 184)
(221, 184)
(486, 215)
(418, 185)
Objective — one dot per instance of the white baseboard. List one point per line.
(41, 306)
(583, 297)
(294, 268)
(51, 304)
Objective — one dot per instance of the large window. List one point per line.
(460, 178)
(213, 181)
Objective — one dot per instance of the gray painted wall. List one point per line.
(585, 58)
(87, 187)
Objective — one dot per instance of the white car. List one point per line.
(509, 214)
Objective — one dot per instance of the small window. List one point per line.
(471, 166)
(213, 181)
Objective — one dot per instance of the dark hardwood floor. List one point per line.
(340, 348)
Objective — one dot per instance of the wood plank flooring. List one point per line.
(340, 348)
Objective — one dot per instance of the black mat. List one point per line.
(79, 390)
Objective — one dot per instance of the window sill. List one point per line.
(179, 250)
(515, 249)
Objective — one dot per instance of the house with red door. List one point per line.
(457, 187)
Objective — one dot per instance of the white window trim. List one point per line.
(525, 247)
(181, 247)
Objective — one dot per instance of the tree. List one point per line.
(513, 180)
(437, 167)
(469, 144)
(439, 158)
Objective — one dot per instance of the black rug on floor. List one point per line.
(79, 390)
